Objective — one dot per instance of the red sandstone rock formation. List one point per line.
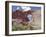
(21, 15)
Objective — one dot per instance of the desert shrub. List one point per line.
(17, 27)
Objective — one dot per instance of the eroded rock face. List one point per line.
(21, 15)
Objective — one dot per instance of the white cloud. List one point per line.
(25, 8)
(18, 8)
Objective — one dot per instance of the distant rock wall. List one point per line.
(36, 20)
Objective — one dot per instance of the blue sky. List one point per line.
(14, 8)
